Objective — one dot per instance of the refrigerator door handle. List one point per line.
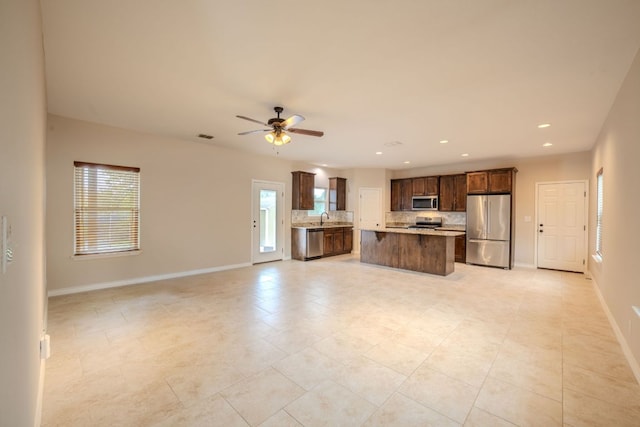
(488, 217)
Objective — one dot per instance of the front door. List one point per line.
(267, 221)
(561, 226)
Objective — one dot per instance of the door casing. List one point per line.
(585, 186)
(278, 253)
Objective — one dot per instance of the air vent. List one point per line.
(205, 136)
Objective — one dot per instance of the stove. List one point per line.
(427, 222)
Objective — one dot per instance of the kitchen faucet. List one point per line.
(323, 213)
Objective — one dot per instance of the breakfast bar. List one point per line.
(422, 250)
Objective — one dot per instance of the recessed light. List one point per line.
(406, 162)
(378, 152)
(465, 155)
(444, 141)
(547, 144)
(544, 125)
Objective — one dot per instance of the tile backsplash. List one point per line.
(302, 217)
(448, 218)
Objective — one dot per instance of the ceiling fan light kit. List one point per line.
(277, 127)
(278, 138)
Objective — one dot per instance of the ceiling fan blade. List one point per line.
(254, 131)
(252, 120)
(306, 132)
(291, 121)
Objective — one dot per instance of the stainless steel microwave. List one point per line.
(424, 203)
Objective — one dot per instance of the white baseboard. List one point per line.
(138, 280)
(523, 265)
(38, 419)
(633, 363)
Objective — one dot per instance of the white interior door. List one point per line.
(267, 228)
(369, 212)
(370, 208)
(561, 225)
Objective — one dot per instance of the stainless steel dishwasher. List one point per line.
(315, 242)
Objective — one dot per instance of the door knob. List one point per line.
(541, 231)
(541, 225)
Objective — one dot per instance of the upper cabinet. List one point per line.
(337, 194)
(495, 181)
(402, 191)
(453, 193)
(302, 190)
(401, 194)
(425, 186)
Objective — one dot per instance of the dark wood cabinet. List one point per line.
(348, 240)
(501, 180)
(453, 193)
(494, 181)
(477, 182)
(329, 238)
(396, 203)
(461, 248)
(337, 194)
(460, 193)
(432, 254)
(337, 241)
(425, 186)
(377, 247)
(401, 194)
(302, 190)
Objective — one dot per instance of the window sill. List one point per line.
(107, 255)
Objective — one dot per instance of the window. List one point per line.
(599, 194)
(319, 201)
(106, 209)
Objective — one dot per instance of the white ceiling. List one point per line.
(481, 74)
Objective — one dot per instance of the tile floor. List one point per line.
(338, 343)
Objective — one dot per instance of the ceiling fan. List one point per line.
(279, 127)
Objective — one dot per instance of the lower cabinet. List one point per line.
(461, 248)
(426, 253)
(337, 241)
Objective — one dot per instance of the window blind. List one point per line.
(600, 205)
(106, 208)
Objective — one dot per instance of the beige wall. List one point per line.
(365, 178)
(195, 202)
(617, 151)
(22, 288)
(567, 167)
(189, 190)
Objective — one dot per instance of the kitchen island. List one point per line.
(423, 250)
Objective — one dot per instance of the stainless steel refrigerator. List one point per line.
(489, 230)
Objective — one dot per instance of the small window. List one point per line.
(600, 205)
(319, 201)
(106, 209)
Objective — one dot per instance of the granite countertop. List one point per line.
(454, 227)
(309, 225)
(446, 227)
(427, 231)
